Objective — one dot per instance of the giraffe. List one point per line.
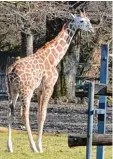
(39, 70)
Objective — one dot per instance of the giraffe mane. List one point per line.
(47, 44)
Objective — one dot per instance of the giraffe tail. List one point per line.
(9, 71)
(8, 90)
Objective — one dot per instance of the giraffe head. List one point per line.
(82, 22)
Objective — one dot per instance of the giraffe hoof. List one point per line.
(10, 150)
(39, 149)
(9, 146)
(34, 149)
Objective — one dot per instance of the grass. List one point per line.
(54, 146)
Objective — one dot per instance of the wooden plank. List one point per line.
(98, 140)
(100, 89)
(82, 94)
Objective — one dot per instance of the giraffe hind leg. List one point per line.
(25, 117)
(13, 99)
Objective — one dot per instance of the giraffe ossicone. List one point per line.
(39, 69)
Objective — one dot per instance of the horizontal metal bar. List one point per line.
(2, 74)
(99, 111)
(89, 78)
(3, 93)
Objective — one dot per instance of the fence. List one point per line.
(91, 90)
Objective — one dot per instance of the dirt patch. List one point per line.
(65, 118)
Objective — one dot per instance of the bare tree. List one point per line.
(30, 18)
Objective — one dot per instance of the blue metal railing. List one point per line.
(101, 111)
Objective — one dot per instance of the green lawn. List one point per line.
(54, 146)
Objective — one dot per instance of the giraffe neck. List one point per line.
(62, 41)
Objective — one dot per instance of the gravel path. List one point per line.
(65, 118)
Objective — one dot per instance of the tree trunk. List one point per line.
(95, 59)
(26, 44)
(23, 44)
(29, 44)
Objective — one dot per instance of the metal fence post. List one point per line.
(90, 119)
(103, 99)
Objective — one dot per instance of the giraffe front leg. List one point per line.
(48, 83)
(39, 144)
(41, 114)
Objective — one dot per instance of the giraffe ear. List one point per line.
(73, 15)
(84, 13)
(81, 14)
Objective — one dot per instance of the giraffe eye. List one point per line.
(81, 21)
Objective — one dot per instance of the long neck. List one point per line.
(62, 41)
